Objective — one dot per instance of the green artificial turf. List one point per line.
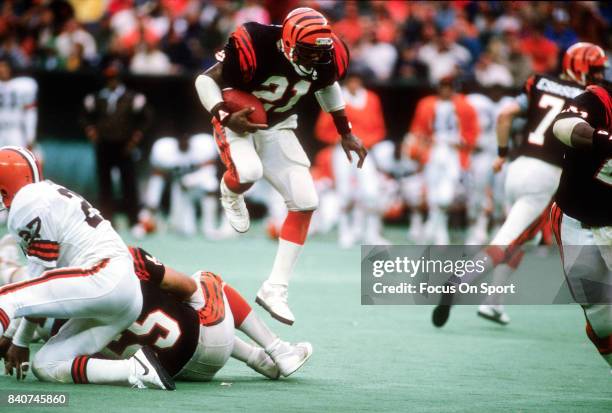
(386, 358)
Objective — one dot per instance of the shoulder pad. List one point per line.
(341, 57)
(604, 97)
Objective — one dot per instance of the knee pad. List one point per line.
(51, 371)
(249, 172)
(303, 195)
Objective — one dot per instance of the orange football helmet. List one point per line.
(583, 61)
(307, 38)
(18, 168)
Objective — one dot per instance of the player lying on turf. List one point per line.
(532, 179)
(278, 65)
(581, 215)
(78, 269)
(191, 344)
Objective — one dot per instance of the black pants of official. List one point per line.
(109, 155)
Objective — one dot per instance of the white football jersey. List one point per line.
(18, 112)
(488, 111)
(58, 228)
(167, 156)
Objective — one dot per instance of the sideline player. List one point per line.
(188, 165)
(533, 177)
(278, 65)
(189, 322)
(581, 216)
(18, 111)
(442, 134)
(358, 189)
(78, 269)
(488, 106)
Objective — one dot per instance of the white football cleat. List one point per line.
(263, 364)
(148, 373)
(289, 357)
(495, 313)
(235, 209)
(273, 298)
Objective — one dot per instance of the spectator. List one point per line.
(115, 120)
(559, 30)
(350, 28)
(519, 64)
(141, 32)
(443, 55)
(408, 66)
(252, 11)
(543, 52)
(488, 72)
(71, 34)
(386, 27)
(378, 57)
(150, 60)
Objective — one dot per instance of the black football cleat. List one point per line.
(441, 313)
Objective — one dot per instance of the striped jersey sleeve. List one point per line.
(147, 267)
(239, 58)
(32, 222)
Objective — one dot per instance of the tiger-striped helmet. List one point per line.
(583, 62)
(307, 38)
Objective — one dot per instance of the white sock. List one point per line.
(101, 371)
(344, 227)
(257, 330)
(209, 205)
(242, 350)
(372, 226)
(441, 227)
(500, 275)
(286, 257)
(359, 222)
(416, 224)
(155, 189)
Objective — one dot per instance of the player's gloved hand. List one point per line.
(196, 301)
(350, 143)
(17, 359)
(239, 122)
(498, 163)
(5, 343)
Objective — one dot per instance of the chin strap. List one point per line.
(299, 69)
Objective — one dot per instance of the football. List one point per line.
(238, 99)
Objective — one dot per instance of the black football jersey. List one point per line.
(585, 190)
(547, 96)
(169, 326)
(253, 61)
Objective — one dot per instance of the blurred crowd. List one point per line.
(494, 42)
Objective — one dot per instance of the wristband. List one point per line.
(343, 126)
(221, 112)
(502, 151)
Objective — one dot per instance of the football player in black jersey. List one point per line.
(582, 213)
(279, 65)
(188, 322)
(533, 177)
